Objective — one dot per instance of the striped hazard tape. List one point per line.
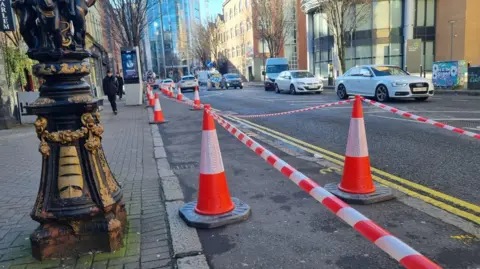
(295, 111)
(421, 119)
(393, 246)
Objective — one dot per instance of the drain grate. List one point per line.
(182, 166)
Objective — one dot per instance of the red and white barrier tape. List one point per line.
(421, 119)
(294, 111)
(393, 246)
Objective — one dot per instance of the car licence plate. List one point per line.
(423, 89)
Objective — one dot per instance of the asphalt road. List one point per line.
(424, 154)
(289, 229)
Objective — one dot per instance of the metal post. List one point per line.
(452, 23)
(79, 202)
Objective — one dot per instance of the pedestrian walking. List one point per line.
(120, 86)
(110, 88)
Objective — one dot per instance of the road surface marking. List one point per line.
(392, 118)
(338, 159)
(428, 111)
(457, 119)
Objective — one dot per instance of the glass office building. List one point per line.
(378, 39)
(169, 36)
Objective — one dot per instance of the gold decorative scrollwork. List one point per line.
(40, 128)
(92, 131)
(66, 137)
(95, 132)
(67, 69)
(84, 98)
(43, 101)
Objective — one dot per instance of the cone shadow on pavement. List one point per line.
(214, 206)
(357, 185)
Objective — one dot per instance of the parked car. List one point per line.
(231, 80)
(273, 67)
(298, 81)
(168, 83)
(188, 83)
(382, 82)
(156, 84)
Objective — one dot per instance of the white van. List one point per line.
(273, 67)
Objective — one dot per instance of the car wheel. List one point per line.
(266, 89)
(277, 90)
(342, 92)
(235, 88)
(292, 89)
(318, 92)
(241, 87)
(421, 98)
(381, 93)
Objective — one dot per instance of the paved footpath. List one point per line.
(128, 144)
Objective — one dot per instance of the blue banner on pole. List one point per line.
(7, 22)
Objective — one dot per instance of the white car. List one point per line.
(382, 82)
(168, 83)
(297, 81)
(188, 83)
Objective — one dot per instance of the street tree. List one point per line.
(200, 45)
(213, 27)
(343, 17)
(272, 21)
(130, 20)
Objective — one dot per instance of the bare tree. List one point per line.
(343, 17)
(200, 45)
(214, 28)
(272, 23)
(130, 20)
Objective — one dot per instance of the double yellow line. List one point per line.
(446, 202)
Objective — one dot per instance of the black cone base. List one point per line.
(240, 212)
(381, 194)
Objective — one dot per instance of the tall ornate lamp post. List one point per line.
(79, 204)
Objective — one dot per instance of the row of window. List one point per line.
(238, 51)
(237, 8)
(238, 30)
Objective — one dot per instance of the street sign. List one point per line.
(7, 22)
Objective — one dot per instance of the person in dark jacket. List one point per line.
(110, 88)
(120, 85)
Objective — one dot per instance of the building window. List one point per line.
(240, 6)
(246, 3)
(420, 13)
(241, 28)
(248, 26)
(231, 32)
(381, 14)
(396, 8)
(235, 11)
(230, 14)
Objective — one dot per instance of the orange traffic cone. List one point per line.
(152, 99)
(214, 207)
(179, 94)
(157, 112)
(196, 100)
(357, 184)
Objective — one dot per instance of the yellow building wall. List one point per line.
(472, 32)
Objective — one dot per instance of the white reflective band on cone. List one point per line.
(357, 141)
(157, 106)
(211, 158)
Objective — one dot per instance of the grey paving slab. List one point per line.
(172, 189)
(129, 146)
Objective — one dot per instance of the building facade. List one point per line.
(169, 37)
(446, 29)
